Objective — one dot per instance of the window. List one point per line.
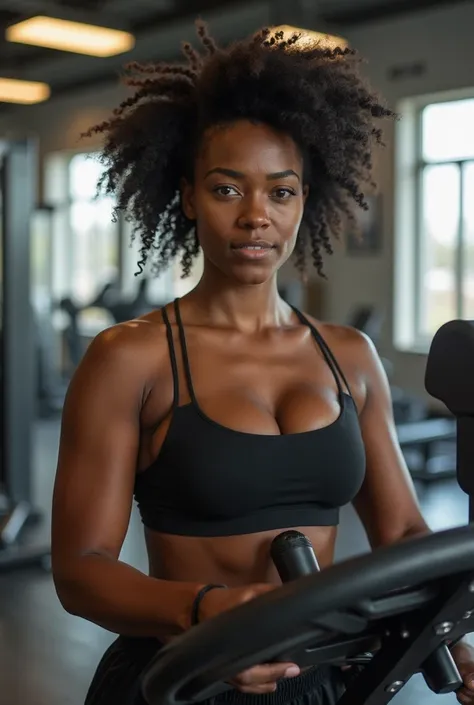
(85, 243)
(89, 249)
(95, 248)
(435, 219)
(162, 288)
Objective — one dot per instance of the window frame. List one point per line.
(408, 221)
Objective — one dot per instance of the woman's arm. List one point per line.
(93, 497)
(386, 503)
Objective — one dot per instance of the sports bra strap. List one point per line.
(174, 366)
(335, 363)
(327, 353)
(184, 351)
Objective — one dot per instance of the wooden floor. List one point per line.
(48, 657)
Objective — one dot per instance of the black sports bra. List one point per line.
(209, 480)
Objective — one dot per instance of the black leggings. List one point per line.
(117, 681)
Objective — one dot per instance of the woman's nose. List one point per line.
(253, 215)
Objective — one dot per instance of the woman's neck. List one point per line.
(248, 308)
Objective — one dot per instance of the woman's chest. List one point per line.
(269, 385)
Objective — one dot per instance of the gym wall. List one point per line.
(438, 39)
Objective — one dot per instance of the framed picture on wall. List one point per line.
(368, 240)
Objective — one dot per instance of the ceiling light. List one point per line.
(308, 36)
(66, 35)
(25, 92)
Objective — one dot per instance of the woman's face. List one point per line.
(247, 199)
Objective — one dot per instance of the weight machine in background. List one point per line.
(17, 358)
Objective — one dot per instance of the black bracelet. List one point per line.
(197, 601)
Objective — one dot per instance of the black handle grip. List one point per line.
(293, 556)
(440, 671)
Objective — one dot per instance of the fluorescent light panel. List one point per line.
(24, 92)
(310, 36)
(66, 35)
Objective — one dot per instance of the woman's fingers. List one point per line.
(263, 678)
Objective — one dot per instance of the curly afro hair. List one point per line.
(307, 90)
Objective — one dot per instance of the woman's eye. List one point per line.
(226, 191)
(284, 193)
(281, 194)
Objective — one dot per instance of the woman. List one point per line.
(228, 415)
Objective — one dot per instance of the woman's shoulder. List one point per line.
(136, 344)
(356, 355)
(345, 340)
(122, 366)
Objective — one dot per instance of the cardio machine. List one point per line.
(389, 614)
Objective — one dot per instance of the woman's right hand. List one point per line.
(258, 679)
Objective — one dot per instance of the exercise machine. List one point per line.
(389, 614)
(111, 301)
(17, 368)
(369, 319)
(449, 378)
(421, 442)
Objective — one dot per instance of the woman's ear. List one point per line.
(187, 199)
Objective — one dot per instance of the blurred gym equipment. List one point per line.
(427, 442)
(115, 307)
(17, 368)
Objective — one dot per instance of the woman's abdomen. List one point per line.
(233, 560)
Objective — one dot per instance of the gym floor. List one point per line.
(48, 657)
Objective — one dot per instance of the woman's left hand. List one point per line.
(463, 655)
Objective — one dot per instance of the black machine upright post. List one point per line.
(465, 458)
(18, 345)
